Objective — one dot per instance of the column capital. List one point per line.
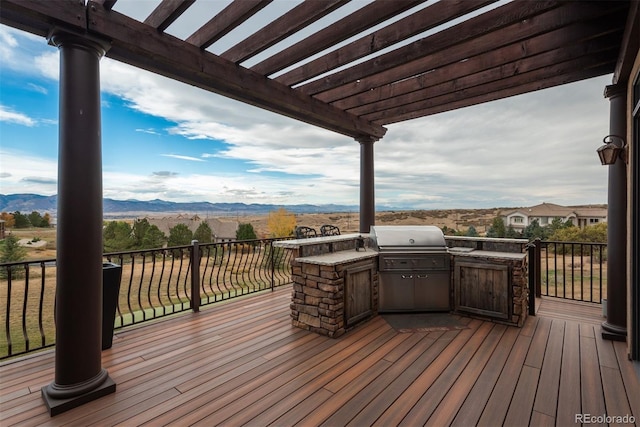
(612, 91)
(366, 139)
(60, 37)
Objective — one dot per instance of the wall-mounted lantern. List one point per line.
(614, 147)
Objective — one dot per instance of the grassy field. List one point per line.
(152, 285)
(47, 235)
(582, 279)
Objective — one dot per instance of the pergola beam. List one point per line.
(588, 51)
(630, 43)
(482, 94)
(489, 22)
(421, 21)
(229, 18)
(39, 17)
(142, 46)
(297, 18)
(362, 19)
(167, 12)
(458, 64)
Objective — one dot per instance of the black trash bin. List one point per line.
(111, 275)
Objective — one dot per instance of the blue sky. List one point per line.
(163, 139)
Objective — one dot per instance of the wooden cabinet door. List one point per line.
(482, 289)
(358, 294)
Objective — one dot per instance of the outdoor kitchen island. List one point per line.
(338, 280)
(335, 282)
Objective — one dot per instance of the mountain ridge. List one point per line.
(35, 202)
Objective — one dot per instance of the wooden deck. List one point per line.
(242, 363)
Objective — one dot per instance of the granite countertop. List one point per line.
(340, 257)
(294, 244)
(489, 254)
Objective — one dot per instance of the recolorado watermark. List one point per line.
(604, 419)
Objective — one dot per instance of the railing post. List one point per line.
(538, 267)
(531, 251)
(195, 276)
(273, 266)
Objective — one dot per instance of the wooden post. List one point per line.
(79, 376)
(615, 327)
(367, 187)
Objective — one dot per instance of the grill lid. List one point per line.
(407, 237)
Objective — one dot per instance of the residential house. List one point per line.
(545, 213)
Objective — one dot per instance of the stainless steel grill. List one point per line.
(414, 268)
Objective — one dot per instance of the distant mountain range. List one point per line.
(27, 203)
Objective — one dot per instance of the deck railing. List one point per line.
(159, 282)
(154, 283)
(571, 270)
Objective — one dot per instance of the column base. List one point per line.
(60, 399)
(613, 332)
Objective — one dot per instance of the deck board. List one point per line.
(568, 400)
(242, 363)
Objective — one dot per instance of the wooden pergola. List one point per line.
(508, 50)
(387, 62)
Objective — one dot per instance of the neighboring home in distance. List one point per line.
(223, 231)
(545, 213)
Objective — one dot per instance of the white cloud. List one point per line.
(527, 149)
(514, 152)
(37, 88)
(27, 173)
(180, 157)
(10, 116)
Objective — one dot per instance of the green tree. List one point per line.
(153, 238)
(534, 231)
(203, 233)
(245, 232)
(35, 219)
(511, 233)
(11, 251)
(591, 234)
(21, 220)
(117, 236)
(471, 232)
(558, 224)
(595, 233)
(497, 228)
(180, 235)
(139, 230)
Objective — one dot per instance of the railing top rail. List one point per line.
(486, 239)
(574, 243)
(31, 261)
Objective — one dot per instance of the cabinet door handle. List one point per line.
(409, 276)
(422, 276)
